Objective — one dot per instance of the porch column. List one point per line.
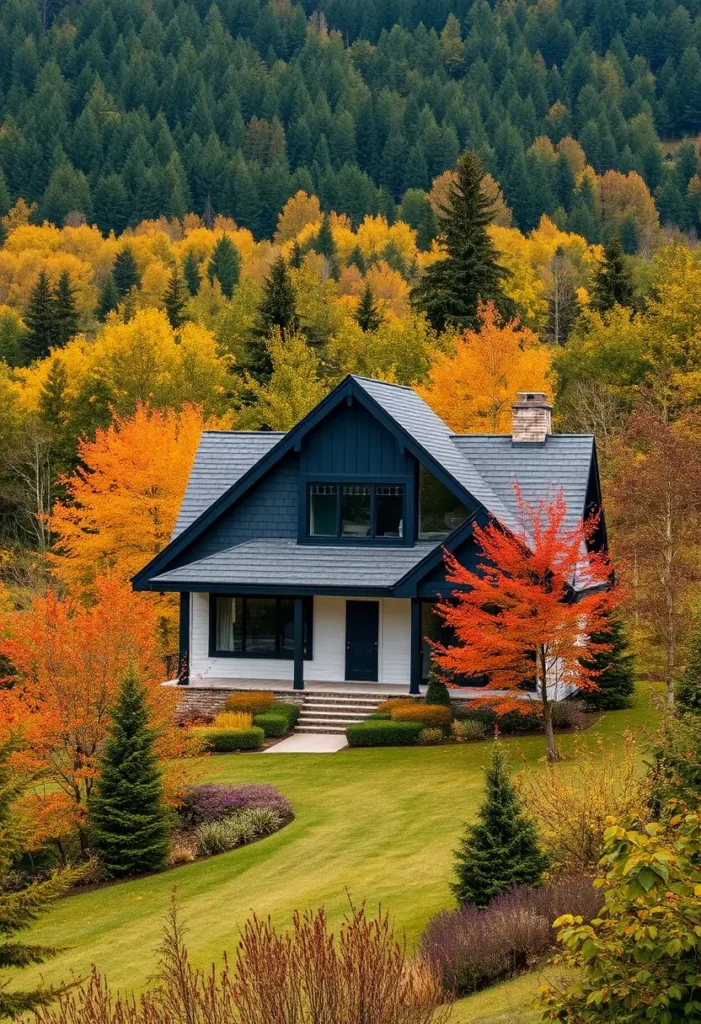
(299, 645)
(415, 668)
(184, 646)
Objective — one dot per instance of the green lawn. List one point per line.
(377, 825)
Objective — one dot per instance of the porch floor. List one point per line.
(346, 687)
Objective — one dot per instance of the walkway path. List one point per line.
(309, 743)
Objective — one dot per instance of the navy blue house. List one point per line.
(316, 555)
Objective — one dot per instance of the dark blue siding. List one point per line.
(434, 584)
(351, 443)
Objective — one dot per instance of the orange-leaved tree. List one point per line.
(123, 499)
(473, 387)
(537, 597)
(67, 661)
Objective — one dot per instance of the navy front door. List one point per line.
(362, 634)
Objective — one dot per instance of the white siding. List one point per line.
(328, 663)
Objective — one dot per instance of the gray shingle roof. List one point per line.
(562, 461)
(286, 563)
(222, 458)
(419, 420)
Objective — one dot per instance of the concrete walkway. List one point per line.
(309, 743)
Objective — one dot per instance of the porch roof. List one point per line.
(286, 566)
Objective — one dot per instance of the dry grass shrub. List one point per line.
(389, 706)
(435, 716)
(233, 720)
(430, 736)
(468, 730)
(307, 976)
(253, 702)
(572, 799)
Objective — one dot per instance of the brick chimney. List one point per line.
(532, 417)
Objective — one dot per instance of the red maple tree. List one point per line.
(533, 603)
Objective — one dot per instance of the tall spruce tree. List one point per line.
(125, 271)
(613, 285)
(109, 298)
(176, 298)
(278, 307)
(128, 815)
(367, 315)
(687, 696)
(225, 265)
(500, 851)
(20, 908)
(325, 245)
(66, 316)
(452, 288)
(191, 272)
(40, 318)
(617, 680)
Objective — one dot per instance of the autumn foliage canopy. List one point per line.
(519, 603)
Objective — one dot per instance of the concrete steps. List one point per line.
(332, 713)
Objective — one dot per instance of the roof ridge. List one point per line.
(385, 383)
(249, 433)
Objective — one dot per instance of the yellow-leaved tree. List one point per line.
(473, 387)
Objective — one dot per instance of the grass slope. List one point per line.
(376, 824)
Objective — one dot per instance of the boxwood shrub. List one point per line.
(278, 721)
(510, 723)
(375, 732)
(222, 741)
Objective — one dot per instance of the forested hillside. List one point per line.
(124, 110)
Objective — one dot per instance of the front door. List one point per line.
(362, 635)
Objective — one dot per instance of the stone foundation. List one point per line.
(204, 702)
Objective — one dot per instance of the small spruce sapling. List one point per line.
(500, 851)
(437, 691)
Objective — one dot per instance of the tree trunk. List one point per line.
(670, 669)
(547, 705)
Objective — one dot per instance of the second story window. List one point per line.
(356, 511)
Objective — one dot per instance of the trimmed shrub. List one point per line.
(233, 720)
(223, 741)
(437, 691)
(213, 801)
(475, 948)
(468, 730)
(513, 722)
(255, 702)
(272, 724)
(397, 702)
(379, 716)
(239, 829)
(429, 736)
(377, 733)
(430, 715)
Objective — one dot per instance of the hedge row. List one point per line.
(278, 721)
(222, 741)
(376, 732)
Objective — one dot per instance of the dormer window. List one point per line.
(356, 511)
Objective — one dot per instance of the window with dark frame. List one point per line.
(258, 627)
(356, 511)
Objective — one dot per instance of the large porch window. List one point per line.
(440, 512)
(257, 627)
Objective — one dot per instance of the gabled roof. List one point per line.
(284, 563)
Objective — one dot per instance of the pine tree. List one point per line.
(65, 312)
(19, 909)
(125, 272)
(617, 680)
(296, 255)
(109, 298)
(325, 245)
(437, 691)
(367, 315)
(128, 814)
(191, 272)
(225, 265)
(452, 288)
(278, 307)
(40, 318)
(500, 851)
(356, 259)
(687, 696)
(613, 285)
(176, 298)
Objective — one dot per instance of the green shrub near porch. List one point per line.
(374, 732)
(278, 721)
(224, 741)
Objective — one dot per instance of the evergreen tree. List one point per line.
(617, 680)
(278, 307)
(613, 285)
(225, 265)
(176, 298)
(109, 298)
(40, 318)
(470, 273)
(367, 315)
(65, 312)
(191, 272)
(296, 255)
(687, 696)
(130, 828)
(356, 259)
(20, 908)
(125, 272)
(325, 245)
(437, 691)
(500, 851)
